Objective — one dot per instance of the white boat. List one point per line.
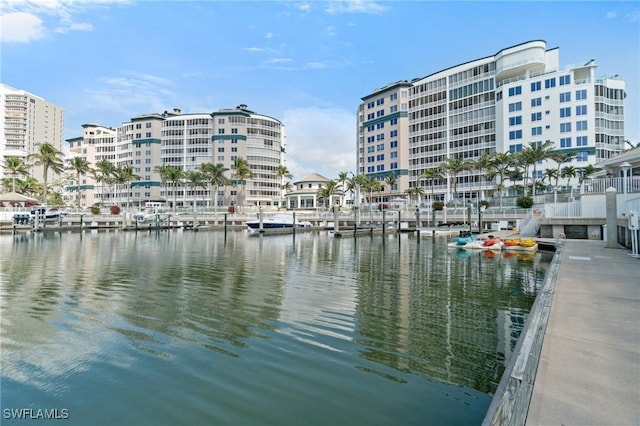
(152, 213)
(277, 221)
(41, 214)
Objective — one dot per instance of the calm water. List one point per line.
(195, 328)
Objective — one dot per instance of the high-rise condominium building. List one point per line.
(189, 140)
(25, 121)
(499, 103)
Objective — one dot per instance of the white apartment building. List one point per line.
(383, 126)
(25, 121)
(96, 144)
(502, 103)
(189, 140)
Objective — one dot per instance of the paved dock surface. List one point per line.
(589, 370)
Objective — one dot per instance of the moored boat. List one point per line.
(277, 221)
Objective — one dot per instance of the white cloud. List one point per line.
(20, 27)
(303, 7)
(633, 16)
(131, 91)
(611, 15)
(320, 140)
(356, 6)
(26, 21)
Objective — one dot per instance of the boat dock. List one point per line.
(589, 367)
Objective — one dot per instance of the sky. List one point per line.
(305, 63)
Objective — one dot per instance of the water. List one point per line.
(199, 328)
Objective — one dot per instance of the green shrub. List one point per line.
(484, 203)
(524, 202)
(438, 205)
(95, 210)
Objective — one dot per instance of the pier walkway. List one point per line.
(589, 369)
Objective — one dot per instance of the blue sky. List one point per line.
(306, 63)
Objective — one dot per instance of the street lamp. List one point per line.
(625, 167)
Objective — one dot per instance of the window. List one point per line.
(581, 94)
(393, 133)
(581, 125)
(549, 83)
(380, 147)
(536, 102)
(380, 101)
(221, 158)
(234, 149)
(581, 141)
(393, 108)
(513, 91)
(138, 135)
(536, 116)
(565, 97)
(221, 131)
(393, 165)
(565, 79)
(535, 131)
(565, 142)
(380, 137)
(393, 96)
(380, 113)
(565, 127)
(380, 125)
(371, 128)
(221, 149)
(581, 110)
(515, 148)
(535, 86)
(565, 112)
(371, 159)
(148, 134)
(371, 116)
(380, 157)
(514, 121)
(220, 120)
(139, 126)
(393, 154)
(234, 130)
(515, 134)
(380, 168)
(393, 121)
(371, 138)
(516, 106)
(148, 125)
(403, 107)
(393, 144)
(582, 156)
(371, 169)
(371, 148)
(499, 96)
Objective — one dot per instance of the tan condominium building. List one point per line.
(498, 103)
(27, 120)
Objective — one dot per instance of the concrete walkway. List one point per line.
(589, 370)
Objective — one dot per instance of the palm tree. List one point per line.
(173, 175)
(287, 187)
(283, 173)
(104, 173)
(561, 157)
(501, 162)
(15, 166)
(484, 165)
(326, 192)
(214, 175)
(433, 174)
(50, 158)
(81, 167)
(124, 176)
(530, 156)
(391, 180)
(416, 192)
(29, 186)
(568, 172)
(585, 172)
(550, 174)
(453, 167)
(242, 171)
(194, 179)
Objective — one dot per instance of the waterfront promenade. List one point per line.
(589, 369)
